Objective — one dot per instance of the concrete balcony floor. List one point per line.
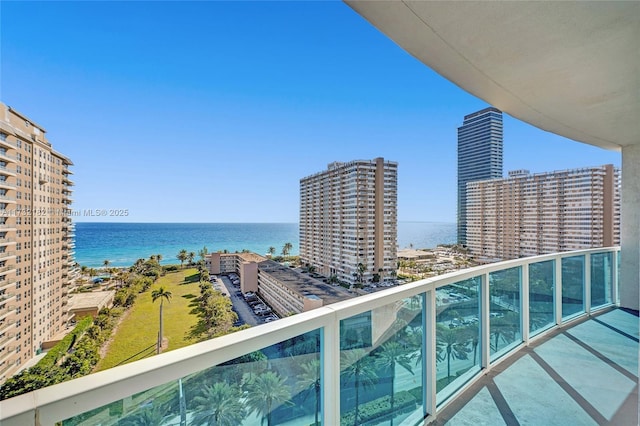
(583, 374)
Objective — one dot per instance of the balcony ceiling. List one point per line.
(571, 68)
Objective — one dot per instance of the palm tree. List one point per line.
(360, 270)
(149, 417)
(474, 338)
(106, 264)
(219, 405)
(271, 251)
(309, 380)
(358, 366)
(286, 249)
(393, 354)
(451, 343)
(182, 256)
(161, 294)
(266, 392)
(203, 253)
(158, 257)
(190, 257)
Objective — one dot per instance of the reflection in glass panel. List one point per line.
(504, 310)
(572, 286)
(541, 292)
(381, 365)
(601, 270)
(457, 335)
(275, 385)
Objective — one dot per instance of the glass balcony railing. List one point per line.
(397, 356)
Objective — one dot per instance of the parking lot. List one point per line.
(252, 311)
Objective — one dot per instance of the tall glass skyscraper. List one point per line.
(479, 156)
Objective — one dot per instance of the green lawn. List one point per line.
(136, 336)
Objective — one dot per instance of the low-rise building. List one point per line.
(288, 291)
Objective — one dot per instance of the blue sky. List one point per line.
(213, 111)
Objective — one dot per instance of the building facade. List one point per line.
(348, 217)
(287, 291)
(479, 156)
(527, 215)
(37, 266)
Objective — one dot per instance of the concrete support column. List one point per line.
(629, 282)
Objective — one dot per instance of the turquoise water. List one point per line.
(123, 243)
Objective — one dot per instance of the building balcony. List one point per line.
(6, 283)
(6, 325)
(536, 324)
(5, 241)
(6, 338)
(7, 199)
(7, 144)
(5, 367)
(6, 255)
(7, 185)
(6, 171)
(6, 227)
(7, 297)
(6, 311)
(5, 156)
(5, 354)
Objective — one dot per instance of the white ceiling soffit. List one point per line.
(571, 68)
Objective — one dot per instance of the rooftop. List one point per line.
(304, 284)
(94, 299)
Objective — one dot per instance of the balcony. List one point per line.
(7, 144)
(536, 325)
(6, 311)
(6, 297)
(6, 255)
(5, 156)
(5, 325)
(4, 184)
(4, 241)
(7, 199)
(5, 171)
(5, 339)
(6, 283)
(5, 354)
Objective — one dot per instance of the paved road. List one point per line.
(245, 313)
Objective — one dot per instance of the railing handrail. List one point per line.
(98, 389)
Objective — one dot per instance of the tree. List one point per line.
(190, 257)
(152, 416)
(203, 253)
(161, 294)
(267, 391)
(182, 256)
(309, 381)
(393, 354)
(474, 338)
(451, 343)
(359, 367)
(158, 257)
(271, 251)
(360, 270)
(219, 405)
(106, 264)
(286, 249)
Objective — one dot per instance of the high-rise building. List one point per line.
(348, 217)
(36, 241)
(479, 156)
(527, 215)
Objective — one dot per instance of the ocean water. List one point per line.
(124, 243)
